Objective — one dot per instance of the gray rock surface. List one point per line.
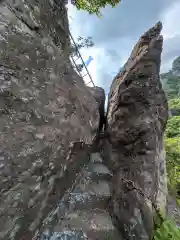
(52, 185)
(85, 214)
(99, 95)
(48, 117)
(136, 119)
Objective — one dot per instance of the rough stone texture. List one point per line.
(99, 95)
(136, 119)
(44, 108)
(83, 213)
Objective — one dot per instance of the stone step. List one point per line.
(65, 235)
(90, 196)
(96, 158)
(101, 188)
(95, 225)
(97, 171)
(85, 216)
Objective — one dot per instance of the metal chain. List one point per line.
(131, 186)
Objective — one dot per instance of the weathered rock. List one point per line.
(44, 108)
(84, 212)
(136, 119)
(99, 95)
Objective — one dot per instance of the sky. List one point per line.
(117, 31)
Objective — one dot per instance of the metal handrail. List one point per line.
(77, 50)
(79, 54)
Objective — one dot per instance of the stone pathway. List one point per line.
(83, 212)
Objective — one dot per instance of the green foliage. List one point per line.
(80, 43)
(173, 127)
(174, 106)
(171, 85)
(174, 84)
(167, 230)
(172, 146)
(174, 103)
(94, 6)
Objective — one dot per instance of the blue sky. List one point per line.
(116, 33)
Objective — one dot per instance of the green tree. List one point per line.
(80, 43)
(173, 84)
(173, 127)
(166, 231)
(172, 146)
(174, 106)
(94, 6)
(174, 103)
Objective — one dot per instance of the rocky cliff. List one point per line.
(54, 176)
(136, 119)
(48, 117)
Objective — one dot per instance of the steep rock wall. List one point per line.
(136, 119)
(48, 117)
(99, 95)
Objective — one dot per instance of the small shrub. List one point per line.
(166, 231)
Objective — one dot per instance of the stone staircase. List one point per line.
(83, 214)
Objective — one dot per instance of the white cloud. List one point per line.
(171, 20)
(115, 35)
(94, 64)
(171, 33)
(75, 29)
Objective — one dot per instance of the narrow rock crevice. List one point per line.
(99, 95)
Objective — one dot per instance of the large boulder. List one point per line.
(136, 119)
(48, 117)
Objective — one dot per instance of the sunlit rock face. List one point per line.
(136, 119)
(46, 111)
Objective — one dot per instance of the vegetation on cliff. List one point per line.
(93, 6)
(171, 84)
(173, 164)
(167, 229)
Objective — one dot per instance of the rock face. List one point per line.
(99, 95)
(83, 213)
(48, 117)
(136, 119)
(49, 120)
